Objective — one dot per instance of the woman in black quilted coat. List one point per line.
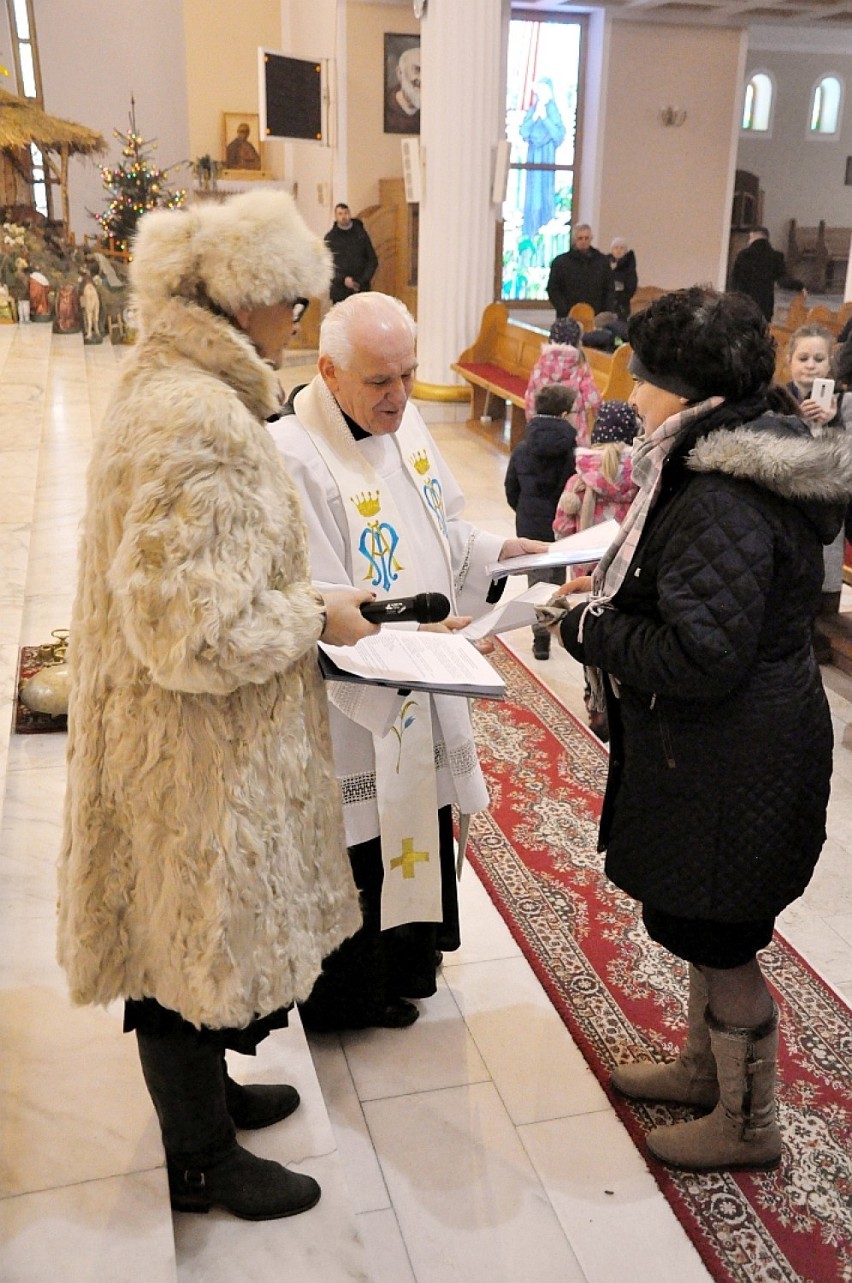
(700, 625)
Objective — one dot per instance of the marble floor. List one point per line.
(475, 1145)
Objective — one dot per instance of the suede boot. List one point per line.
(689, 1080)
(541, 643)
(256, 1105)
(206, 1166)
(742, 1131)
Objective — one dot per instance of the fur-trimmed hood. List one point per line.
(621, 489)
(550, 437)
(781, 454)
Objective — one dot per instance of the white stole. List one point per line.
(383, 559)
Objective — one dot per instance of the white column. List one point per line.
(462, 117)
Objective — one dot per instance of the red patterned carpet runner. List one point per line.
(623, 997)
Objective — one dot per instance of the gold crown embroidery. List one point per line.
(420, 462)
(368, 502)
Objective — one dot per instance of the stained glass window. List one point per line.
(541, 125)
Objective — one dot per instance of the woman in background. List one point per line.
(809, 354)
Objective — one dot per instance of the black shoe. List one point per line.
(541, 648)
(255, 1189)
(439, 959)
(396, 1014)
(260, 1104)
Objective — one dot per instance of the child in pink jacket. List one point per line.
(602, 487)
(563, 360)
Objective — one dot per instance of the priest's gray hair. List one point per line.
(365, 315)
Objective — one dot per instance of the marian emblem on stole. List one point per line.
(432, 490)
(378, 541)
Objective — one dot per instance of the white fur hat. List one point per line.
(250, 251)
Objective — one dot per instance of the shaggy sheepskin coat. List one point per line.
(721, 741)
(204, 862)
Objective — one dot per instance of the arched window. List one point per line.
(826, 101)
(757, 106)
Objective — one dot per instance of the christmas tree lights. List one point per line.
(134, 186)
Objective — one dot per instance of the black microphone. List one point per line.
(425, 607)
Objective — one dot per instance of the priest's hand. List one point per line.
(521, 548)
(449, 625)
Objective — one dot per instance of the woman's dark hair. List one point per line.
(718, 343)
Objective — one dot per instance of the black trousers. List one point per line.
(374, 967)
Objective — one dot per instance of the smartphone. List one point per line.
(822, 392)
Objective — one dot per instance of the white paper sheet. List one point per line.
(588, 545)
(516, 612)
(418, 660)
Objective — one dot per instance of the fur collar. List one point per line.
(773, 452)
(211, 342)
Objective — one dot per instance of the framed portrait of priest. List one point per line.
(402, 84)
(241, 135)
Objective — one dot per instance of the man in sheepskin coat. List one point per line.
(203, 874)
(383, 509)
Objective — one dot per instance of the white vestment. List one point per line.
(458, 777)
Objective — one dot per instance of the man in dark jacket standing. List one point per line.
(355, 259)
(756, 269)
(581, 276)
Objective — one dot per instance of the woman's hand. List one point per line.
(344, 624)
(815, 413)
(579, 585)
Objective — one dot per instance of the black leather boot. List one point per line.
(256, 1105)
(207, 1168)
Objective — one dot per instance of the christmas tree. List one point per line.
(134, 186)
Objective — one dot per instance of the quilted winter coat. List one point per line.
(721, 739)
(203, 861)
(590, 498)
(562, 363)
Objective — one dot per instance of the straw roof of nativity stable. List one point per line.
(23, 122)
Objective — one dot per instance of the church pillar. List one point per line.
(462, 117)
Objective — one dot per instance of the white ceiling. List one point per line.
(810, 17)
(811, 13)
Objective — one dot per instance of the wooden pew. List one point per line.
(497, 366)
(499, 363)
(614, 380)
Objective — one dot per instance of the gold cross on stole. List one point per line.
(409, 858)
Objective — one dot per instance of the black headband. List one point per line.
(668, 382)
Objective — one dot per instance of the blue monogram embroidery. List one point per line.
(434, 496)
(378, 543)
